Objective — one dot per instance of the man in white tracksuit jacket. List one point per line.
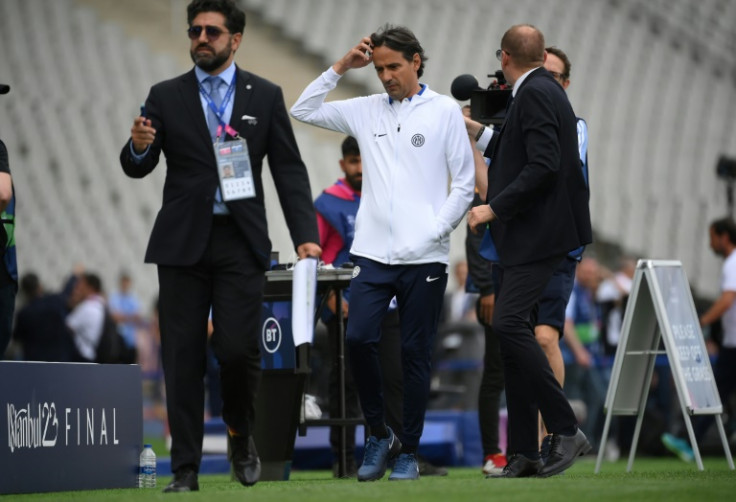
(410, 139)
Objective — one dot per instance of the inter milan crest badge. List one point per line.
(417, 140)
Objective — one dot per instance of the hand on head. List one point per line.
(357, 57)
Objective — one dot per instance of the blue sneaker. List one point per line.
(679, 447)
(376, 456)
(406, 467)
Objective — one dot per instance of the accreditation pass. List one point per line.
(234, 170)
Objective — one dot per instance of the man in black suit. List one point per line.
(537, 207)
(212, 248)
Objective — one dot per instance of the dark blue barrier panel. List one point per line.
(449, 438)
(69, 426)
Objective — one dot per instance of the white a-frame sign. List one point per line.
(661, 307)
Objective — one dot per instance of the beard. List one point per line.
(210, 61)
(355, 181)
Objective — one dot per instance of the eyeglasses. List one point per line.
(213, 32)
(558, 76)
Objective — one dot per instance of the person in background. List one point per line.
(612, 296)
(336, 208)
(482, 279)
(549, 329)
(211, 246)
(40, 326)
(582, 351)
(722, 235)
(9, 268)
(126, 311)
(87, 317)
(459, 304)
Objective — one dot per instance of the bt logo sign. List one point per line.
(271, 335)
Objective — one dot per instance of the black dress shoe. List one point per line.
(427, 468)
(185, 480)
(519, 466)
(244, 459)
(563, 451)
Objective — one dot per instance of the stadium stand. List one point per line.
(655, 79)
(76, 85)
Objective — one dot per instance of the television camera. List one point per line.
(487, 106)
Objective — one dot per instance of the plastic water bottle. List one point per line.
(147, 468)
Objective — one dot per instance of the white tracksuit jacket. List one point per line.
(408, 148)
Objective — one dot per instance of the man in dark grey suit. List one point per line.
(537, 207)
(212, 248)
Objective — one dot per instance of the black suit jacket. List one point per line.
(535, 184)
(182, 227)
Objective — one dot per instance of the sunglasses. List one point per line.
(213, 32)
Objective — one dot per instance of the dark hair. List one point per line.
(350, 147)
(725, 225)
(30, 285)
(93, 281)
(524, 43)
(234, 17)
(563, 57)
(401, 39)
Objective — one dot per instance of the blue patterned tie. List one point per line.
(212, 123)
(214, 90)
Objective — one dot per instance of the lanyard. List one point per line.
(221, 111)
